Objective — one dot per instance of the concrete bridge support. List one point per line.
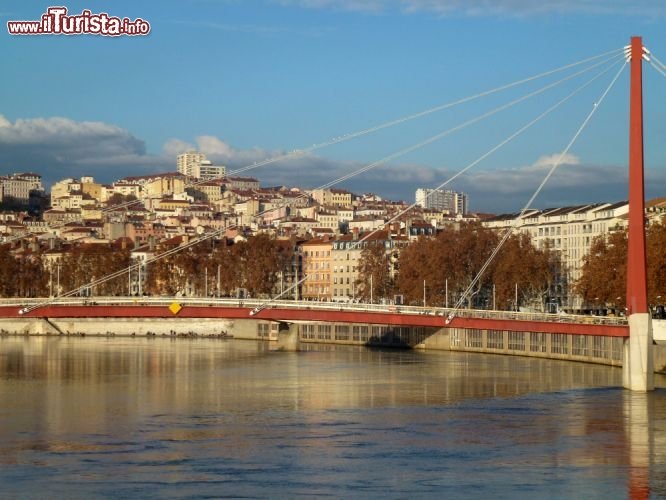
(288, 337)
(638, 360)
(638, 369)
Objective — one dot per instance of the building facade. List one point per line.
(16, 188)
(195, 164)
(570, 232)
(443, 200)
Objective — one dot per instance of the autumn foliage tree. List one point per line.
(448, 262)
(603, 280)
(374, 280)
(523, 267)
(452, 260)
(656, 263)
(253, 264)
(88, 262)
(22, 273)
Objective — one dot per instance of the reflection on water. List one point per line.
(156, 417)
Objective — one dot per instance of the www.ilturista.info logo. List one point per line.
(56, 21)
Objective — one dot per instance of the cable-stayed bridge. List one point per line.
(636, 351)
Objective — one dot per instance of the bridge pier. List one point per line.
(637, 366)
(637, 359)
(288, 337)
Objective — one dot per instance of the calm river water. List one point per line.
(159, 418)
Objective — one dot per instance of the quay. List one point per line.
(594, 339)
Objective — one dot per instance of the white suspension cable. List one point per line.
(329, 184)
(301, 152)
(660, 70)
(461, 126)
(441, 107)
(656, 59)
(527, 206)
(495, 148)
(459, 173)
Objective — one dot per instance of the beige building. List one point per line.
(328, 220)
(347, 252)
(210, 191)
(175, 207)
(570, 231)
(74, 200)
(242, 183)
(127, 189)
(317, 268)
(332, 197)
(163, 185)
(17, 187)
(92, 189)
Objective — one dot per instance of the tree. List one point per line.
(119, 199)
(656, 255)
(414, 265)
(374, 280)
(531, 269)
(8, 272)
(254, 264)
(88, 262)
(226, 257)
(260, 260)
(603, 278)
(450, 262)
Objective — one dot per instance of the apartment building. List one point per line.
(16, 188)
(346, 259)
(570, 231)
(332, 197)
(195, 164)
(443, 200)
(317, 267)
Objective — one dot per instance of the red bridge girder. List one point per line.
(326, 315)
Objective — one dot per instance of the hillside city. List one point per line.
(320, 234)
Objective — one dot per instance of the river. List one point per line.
(161, 418)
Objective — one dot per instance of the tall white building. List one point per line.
(443, 200)
(194, 164)
(569, 231)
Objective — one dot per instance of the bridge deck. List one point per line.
(326, 312)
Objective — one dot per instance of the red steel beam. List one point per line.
(339, 316)
(636, 255)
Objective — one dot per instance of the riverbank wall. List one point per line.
(591, 349)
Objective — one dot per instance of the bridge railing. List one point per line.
(316, 305)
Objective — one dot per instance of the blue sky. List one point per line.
(247, 79)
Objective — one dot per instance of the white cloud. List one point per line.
(75, 140)
(59, 147)
(548, 161)
(219, 151)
